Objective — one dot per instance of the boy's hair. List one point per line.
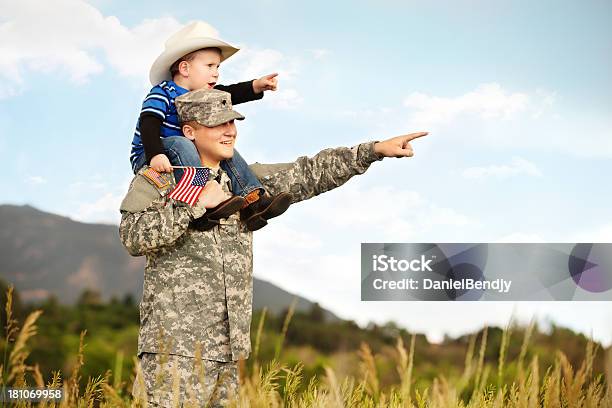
(174, 68)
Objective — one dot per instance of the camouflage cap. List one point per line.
(208, 107)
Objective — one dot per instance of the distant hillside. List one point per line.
(43, 253)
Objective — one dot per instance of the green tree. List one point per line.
(316, 313)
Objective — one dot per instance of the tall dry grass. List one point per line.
(277, 385)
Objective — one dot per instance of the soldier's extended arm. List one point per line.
(311, 176)
(149, 221)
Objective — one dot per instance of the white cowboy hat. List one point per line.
(190, 38)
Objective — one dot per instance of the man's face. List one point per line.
(215, 143)
(203, 69)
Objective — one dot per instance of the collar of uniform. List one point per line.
(214, 173)
(221, 176)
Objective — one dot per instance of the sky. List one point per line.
(516, 96)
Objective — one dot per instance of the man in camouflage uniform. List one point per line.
(195, 313)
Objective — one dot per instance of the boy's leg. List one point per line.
(242, 178)
(260, 205)
(181, 152)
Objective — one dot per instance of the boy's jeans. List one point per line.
(182, 152)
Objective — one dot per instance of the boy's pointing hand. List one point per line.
(397, 146)
(266, 83)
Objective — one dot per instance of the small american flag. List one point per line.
(191, 184)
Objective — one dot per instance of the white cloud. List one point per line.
(496, 118)
(386, 211)
(252, 62)
(66, 37)
(8, 89)
(318, 273)
(518, 166)
(35, 180)
(74, 39)
(284, 99)
(281, 236)
(545, 100)
(601, 233)
(598, 234)
(488, 101)
(132, 51)
(96, 200)
(103, 209)
(492, 117)
(577, 135)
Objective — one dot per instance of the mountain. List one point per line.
(43, 254)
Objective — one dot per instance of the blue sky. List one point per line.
(517, 97)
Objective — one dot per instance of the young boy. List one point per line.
(191, 61)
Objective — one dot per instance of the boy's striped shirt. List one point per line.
(159, 102)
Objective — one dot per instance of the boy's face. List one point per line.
(215, 143)
(203, 69)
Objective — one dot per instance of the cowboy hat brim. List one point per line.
(160, 70)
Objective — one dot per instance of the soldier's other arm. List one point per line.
(310, 176)
(150, 221)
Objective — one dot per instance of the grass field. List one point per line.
(521, 382)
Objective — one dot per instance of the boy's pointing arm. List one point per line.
(250, 90)
(241, 92)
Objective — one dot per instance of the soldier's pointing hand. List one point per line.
(398, 146)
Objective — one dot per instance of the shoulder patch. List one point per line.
(156, 178)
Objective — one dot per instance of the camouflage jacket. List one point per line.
(198, 285)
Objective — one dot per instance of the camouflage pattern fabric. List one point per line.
(208, 107)
(174, 381)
